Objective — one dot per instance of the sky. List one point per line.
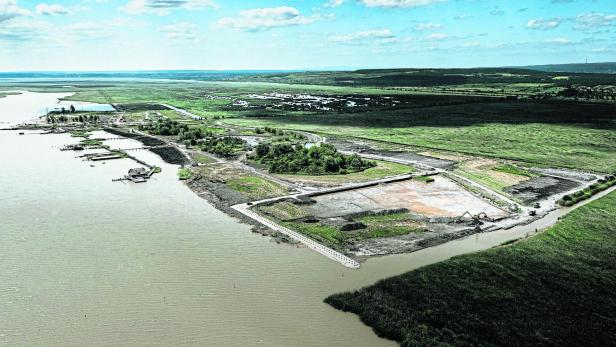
(99, 35)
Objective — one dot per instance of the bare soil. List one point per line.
(441, 198)
(539, 188)
(362, 147)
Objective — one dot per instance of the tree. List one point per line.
(262, 150)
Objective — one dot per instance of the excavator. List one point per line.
(477, 219)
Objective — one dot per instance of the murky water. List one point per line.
(84, 261)
(23, 107)
(27, 105)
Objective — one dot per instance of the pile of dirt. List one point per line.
(352, 226)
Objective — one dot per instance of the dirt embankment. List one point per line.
(365, 148)
(222, 197)
(411, 242)
(146, 140)
(169, 154)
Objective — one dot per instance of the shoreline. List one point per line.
(223, 205)
(223, 198)
(218, 201)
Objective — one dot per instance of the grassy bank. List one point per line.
(184, 174)
(335, 236)
(588, 192)
(554, 289)
(229, 183)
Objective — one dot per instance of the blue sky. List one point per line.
(301, 34)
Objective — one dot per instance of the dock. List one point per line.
(106, 157)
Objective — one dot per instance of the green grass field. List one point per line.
(554, 289)
(579, 136)
(256, 187)
(374, 226)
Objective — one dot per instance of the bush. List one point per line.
(225, 146)
(588, 192)
(184, 174)
(317, 160)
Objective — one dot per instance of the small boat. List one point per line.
(21, 133)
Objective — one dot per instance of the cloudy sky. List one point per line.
(301, 34)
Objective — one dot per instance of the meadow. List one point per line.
(558, 134)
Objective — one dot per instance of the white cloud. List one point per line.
(383, 36)
(593, 20)
(559, 41)
(436, 37)
(334, 3)
(180, 32)
(87, 30)
(399, 3)
(428, 26)
(163, 7)
(471, 44)
(543, 24)
(10, 10)
(41, 34)
(20, 32)
(265, 18)
(51, 9)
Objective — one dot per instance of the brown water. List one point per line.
(84, 261)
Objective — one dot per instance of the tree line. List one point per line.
(52, 119)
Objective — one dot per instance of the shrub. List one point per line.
(587, 192)
(317, 160)
(225, 146)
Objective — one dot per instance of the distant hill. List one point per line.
(603, 68)
(406, 77)
(201, 75)
(560, 75)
